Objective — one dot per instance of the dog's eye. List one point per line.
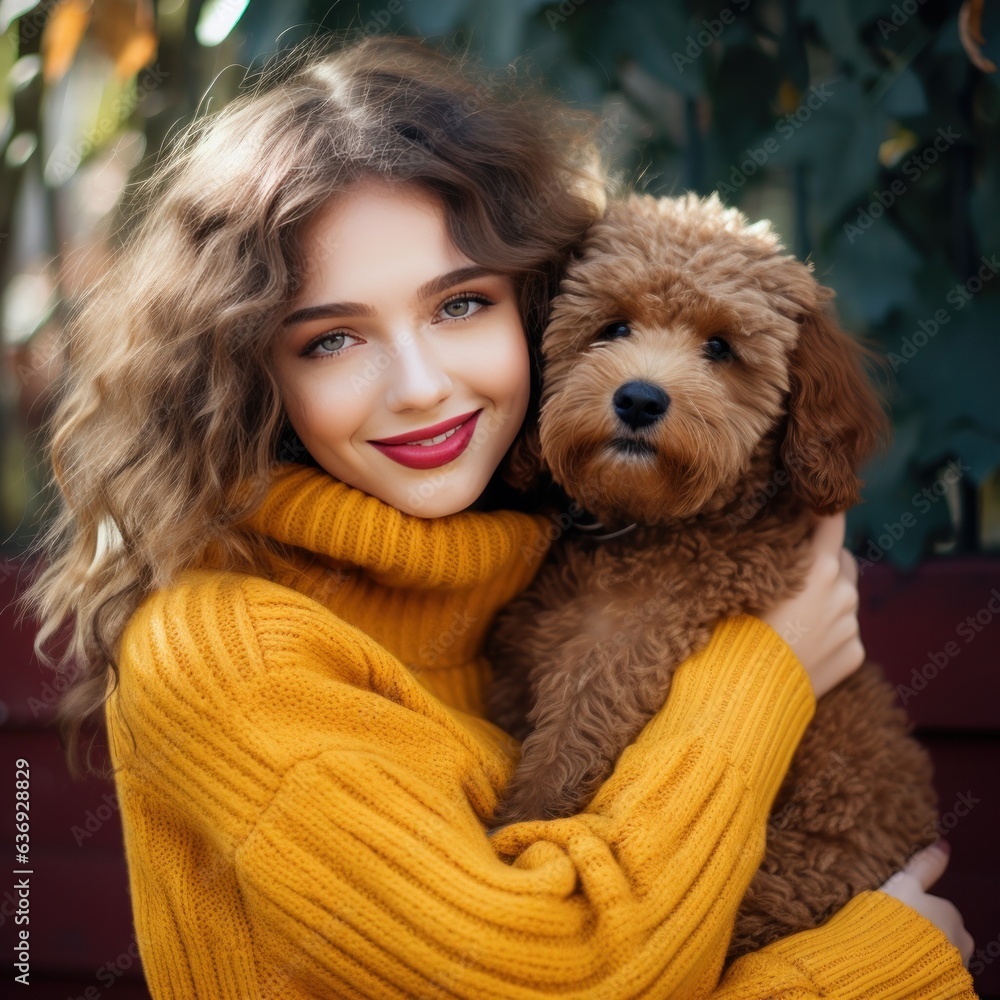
(615, 330)
(719, 350)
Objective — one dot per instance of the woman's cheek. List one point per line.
(503, 356)
(513, 371)
(328, 408)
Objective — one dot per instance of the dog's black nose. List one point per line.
(639, 404)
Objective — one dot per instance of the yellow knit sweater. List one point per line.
(304, 771)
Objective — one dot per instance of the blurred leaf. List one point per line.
(836, 23)
(63, 33)
(27, 303)
(888, 467)
(872, 275)
(19, 149)
(947, 41)
(954, 371)
(865, 12)
(749, 122)
(640, 33)
(837, 134)
(848, 182)
(217, 19)
(125, 29)
(905, 96)
(896, 524)
(10, 10)
(978, 451)
(23, 73)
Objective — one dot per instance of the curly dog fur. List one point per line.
(697, 384)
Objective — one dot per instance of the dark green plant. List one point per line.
(861, 128)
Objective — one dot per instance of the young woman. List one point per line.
(281, 449)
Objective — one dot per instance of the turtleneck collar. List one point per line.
(310, 509)
(425, 589)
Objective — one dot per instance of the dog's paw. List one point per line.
(521, 809)
(529, 802)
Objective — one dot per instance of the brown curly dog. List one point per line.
(701, 402)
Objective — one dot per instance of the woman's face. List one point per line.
(395, 332)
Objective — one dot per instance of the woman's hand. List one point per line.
(820, 622)
(909, 885)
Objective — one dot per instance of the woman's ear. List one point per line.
(835, 416)
(524, 464)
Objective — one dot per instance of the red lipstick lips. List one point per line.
(430, 456)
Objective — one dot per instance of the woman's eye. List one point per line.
(460, 308)
(333, 343)
(615, 330)
(718, 349)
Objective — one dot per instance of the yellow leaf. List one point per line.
(788, 97)
(139, 51)
(61, 38)
(125, 30)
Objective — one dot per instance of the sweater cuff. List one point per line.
(878, 947)
(747, 694)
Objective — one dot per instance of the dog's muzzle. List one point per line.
(639, 404)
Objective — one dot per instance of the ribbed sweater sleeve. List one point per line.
(351, 805)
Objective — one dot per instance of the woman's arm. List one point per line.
(875, 947)
(349, 803)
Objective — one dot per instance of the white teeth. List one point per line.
(436, 440)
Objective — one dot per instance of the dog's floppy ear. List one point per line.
(524, 464)
(835, 417)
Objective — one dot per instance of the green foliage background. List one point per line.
(822, 115)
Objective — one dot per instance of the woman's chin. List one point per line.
(438, 495)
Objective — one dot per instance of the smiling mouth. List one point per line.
(436, 440)
(429, 453)
(632, 446)
(447, 430)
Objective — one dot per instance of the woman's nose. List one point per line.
(417, 379)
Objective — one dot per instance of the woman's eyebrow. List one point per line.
(425, 291)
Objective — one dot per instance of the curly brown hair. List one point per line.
(169, 420)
